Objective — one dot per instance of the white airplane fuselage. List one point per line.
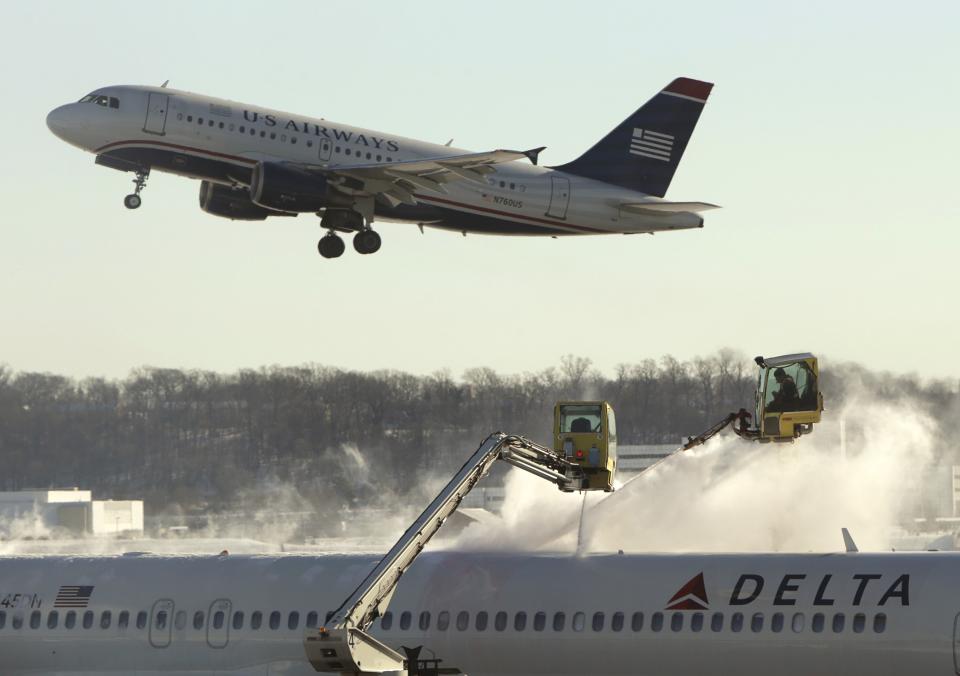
(221, 141)
(491, 614)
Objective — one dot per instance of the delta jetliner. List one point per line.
(255, 163)
(484, 613)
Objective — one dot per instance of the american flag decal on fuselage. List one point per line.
(652, 144)
(73, 597)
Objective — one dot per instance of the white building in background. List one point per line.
(632, 460)
(35, 513)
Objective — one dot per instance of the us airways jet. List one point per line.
(255, 163)
(853, 614)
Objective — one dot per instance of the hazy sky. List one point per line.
(831, 140)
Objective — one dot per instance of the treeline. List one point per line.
(200, 439)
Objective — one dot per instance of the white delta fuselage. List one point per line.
(484, 613)
(255, 163)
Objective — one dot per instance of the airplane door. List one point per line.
(156, 122)
(218, 623)
(326, 146)
(161, 623)
(559, 196)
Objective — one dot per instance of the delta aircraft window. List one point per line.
(696, 622)
(481, 621)
(293, 620)
(347, 151)
(559, 620)
(160, 621)
(273, 136)
(776, 623)
(520, 621)
(443, 620)
(198, 620)
(263, 134)
(17, 621)
(106, 619)
(616, 622)
(210, 123)
(500, 621)
(736, 622)
(539, 621)
(180, 620)
(756, 623)
(256, 619)
(424, 623)
(839, 620)
(598, 621)
(70, 620)
(189, 118)
(220, 125)
(312, 619)
(676, 622)
(817, 624)
(797, 623)
(253, 132)
(579, 621)
(275, 620)
(141, 619)
(463, 620)
(309, 143)
(880, 623)
(35, 619)
(199, 120)
(238, 620)
(123, 620)
(859, 622)
(636, 622)
(386, 621)
(53, 619)
(88, 619)
(405, 619)
(105, 101)
(218, 620)
(656, 622)
(337, 149)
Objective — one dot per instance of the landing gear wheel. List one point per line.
(133, 200)
(366, 242)
(331, 246)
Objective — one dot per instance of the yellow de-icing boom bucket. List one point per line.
(789, 401)
(585, 432)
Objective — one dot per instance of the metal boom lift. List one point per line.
(343, 644)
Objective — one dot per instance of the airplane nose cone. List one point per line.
(57, 121)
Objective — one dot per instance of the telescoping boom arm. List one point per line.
(342, 645)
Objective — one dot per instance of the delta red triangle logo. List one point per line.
(691, 596)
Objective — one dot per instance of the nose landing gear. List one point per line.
(133, 200)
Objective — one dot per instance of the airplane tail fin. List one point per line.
(643, 151)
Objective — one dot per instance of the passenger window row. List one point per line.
(678, 621)
(293, 139)
(87, 619)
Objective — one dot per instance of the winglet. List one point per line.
(848, 541)
(532, 155)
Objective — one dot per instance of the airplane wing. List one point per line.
(395, 182)
(660, 206)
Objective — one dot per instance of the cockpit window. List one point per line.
(101, 100)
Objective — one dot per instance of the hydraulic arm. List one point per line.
(342, 645)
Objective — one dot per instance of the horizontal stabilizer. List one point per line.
(660, 207)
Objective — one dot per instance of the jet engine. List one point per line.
(226, 202)
(287, 188)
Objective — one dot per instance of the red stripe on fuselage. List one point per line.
(164, 144)
(428, 198)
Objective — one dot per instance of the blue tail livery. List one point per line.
(643, 151)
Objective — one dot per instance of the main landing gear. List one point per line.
(331, 245)
(133, 201)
